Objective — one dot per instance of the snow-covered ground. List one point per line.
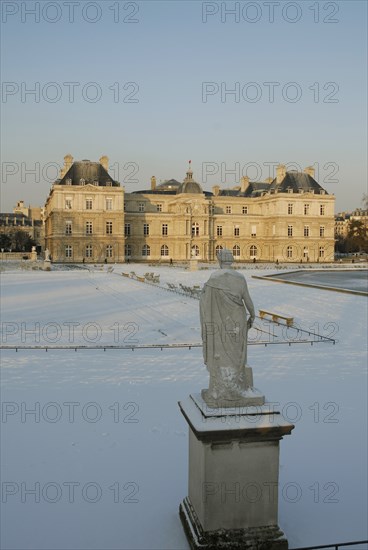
(102, 463)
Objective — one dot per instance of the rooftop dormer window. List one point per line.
(82, 181)
(68, 181)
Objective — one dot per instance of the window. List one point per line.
(290, 208)
(236, 251)
(306, 231)
(159, 207)
(82, 181)
(253, 232)
(108, 183)
(236, 231)
(218, 248)
(146, 229)
(321, 230)
(68, 251)
(141, 207)
(164, 250)
(164, 230)
(245, 209)
(108, 204)
(109, 251)
(196, 250)
(88, 204)
(290, 231)
(306, 209)
(128, 250)
(253, 251)
(108, 228)
(146, 251)
(68, 228)
(89, 251)
(89, 228)
(228, 209)
(127, 232)
(321, 252)
(289, 252)
(68, 181)
(322, 209)
(219, 230)
(195, 229)
(306, 253)
(68, 203)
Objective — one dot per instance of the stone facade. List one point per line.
(343, 219)
(290, 218)
(84, 215)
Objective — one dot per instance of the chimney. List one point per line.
(280, 173)
(216, 190)
(244, 184)
(105, 162)
(310, 171)
(153, 183)
(68, 161)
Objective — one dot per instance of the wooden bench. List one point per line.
(276, 317)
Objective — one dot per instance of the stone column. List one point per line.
(232, 497)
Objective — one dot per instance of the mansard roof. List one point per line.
(293, 182)
(297, 181)
(88, 171)
(254, 189)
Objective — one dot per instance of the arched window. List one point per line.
(236, 251)
(146, 250)
(196, 250)
(128, 250)
(218, 248)
(164, 250)
(289, 252)
(253, 251)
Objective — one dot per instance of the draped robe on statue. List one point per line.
(224, 333)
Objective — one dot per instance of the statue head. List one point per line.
(225, 257)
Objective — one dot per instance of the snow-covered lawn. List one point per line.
(102, 463)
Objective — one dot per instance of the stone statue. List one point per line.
(224, 304)
(47, 255)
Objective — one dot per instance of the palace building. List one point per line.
(90, 218)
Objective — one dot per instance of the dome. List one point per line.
(190, 187)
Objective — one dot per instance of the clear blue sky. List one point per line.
(168, 53)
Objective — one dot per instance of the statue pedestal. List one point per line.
(47, 265)
(233, 477)
(34, 256)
